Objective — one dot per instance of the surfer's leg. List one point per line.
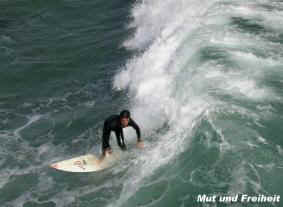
(119, 142)
(105, 140)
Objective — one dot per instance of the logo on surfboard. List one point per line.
(80, 164)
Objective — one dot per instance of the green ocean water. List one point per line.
(203, 79)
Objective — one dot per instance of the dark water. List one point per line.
(202, 78)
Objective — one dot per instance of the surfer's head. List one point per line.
(125, 117)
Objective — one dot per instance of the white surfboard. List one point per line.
(87, 163)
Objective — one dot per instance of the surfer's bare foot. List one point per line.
(107, 152)
(140, 144)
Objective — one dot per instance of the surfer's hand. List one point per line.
(140, 144)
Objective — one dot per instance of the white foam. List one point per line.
(152, 79)
(246, 88)
(168, 84)
(237, 83)
(31, 120)
(247, 56)
(279, 149)
(262, 140)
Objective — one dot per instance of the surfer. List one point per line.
(116, 123)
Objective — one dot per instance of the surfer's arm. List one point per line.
(106, 137)
(133, 124)
(120, 139)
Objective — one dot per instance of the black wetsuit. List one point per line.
(113, 123)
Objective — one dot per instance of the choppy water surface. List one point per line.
(203, 79)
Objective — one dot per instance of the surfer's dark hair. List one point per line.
(125, 114)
